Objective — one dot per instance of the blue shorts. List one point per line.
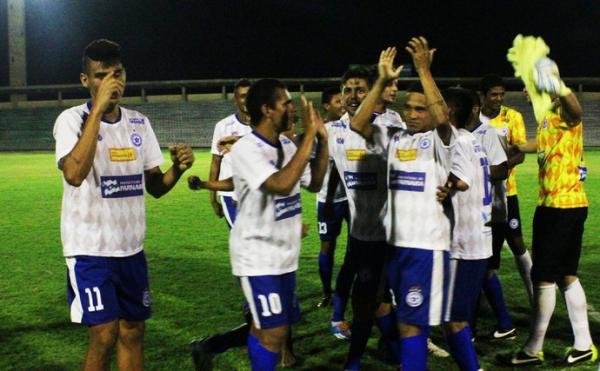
(229, 210)
(272, 299)
(330, 228)
(466, 279)
(418, 279)
(103, 289)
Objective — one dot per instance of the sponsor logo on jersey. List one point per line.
(356, 154)
(425, 143)
(407, 181)
(414, 298)
(338, 124)
(339, 140)
(119, 186)
(137, 120)
(121, 154)
(360, 181)
(406, 154)
(287, 207)
(136, 139)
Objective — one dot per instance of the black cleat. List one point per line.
(201, 354)
(324, 301)
(520, 358)
(574, 356)
(504, 335)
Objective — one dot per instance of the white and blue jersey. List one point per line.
(362, 169)
(265, 239)
(105, 215)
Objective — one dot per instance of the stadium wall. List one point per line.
(192, 121)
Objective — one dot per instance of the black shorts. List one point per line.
(369, 260)
(505, 231)
(556, 246)
(513, 227)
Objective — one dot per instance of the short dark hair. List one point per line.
(358, 72)
(102, 50)
(328, 93)
(461, 102)
(241, 83)
(415, 87)
(489, 81)
(262, 92)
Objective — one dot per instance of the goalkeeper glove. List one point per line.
(547, 78)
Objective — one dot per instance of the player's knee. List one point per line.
(131, 334)
(383, 310)
(407, 330)
(103, 337)
(454, 327)
(273, 338)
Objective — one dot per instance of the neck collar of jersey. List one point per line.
(259, 136)
(104, 119)
(237, 117)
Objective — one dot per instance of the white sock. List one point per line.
(524, 266)
(577, 308)
(544, 303)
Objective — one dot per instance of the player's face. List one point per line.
(415, 113)
(335, 106)
(96, 72)
(494, 98)
(239, 98)
(354, 92)
(390, 92)
(281, 111)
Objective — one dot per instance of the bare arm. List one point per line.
(215, 167)
(422, 56)
(499, 172)
(159, 183)
(77, 164)
(571, 111)
(361, 122)
(195, 183)
(318, 167)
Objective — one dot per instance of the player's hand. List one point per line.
(217, 208)
(443, 191)
(111, 87)
(194, 182)
(547, 78)
(422, 56)
(182, 156)
(224, 144)
(386, 69)
(313, 123)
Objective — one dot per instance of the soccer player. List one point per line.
(558, 225)
(498, 162)
(108, 155)
(472, 236)
(361, 167)
(417, 225)
(332, 208)
(511, 129)
(268, 170)
(234, 125)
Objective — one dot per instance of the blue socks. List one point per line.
(414, 352)
(493, 292)
(261, 358)
(326, 271)
(339, 307)
(462, 350)
(387, 326)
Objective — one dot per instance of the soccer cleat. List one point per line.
(520, 358)
(504, 335)
(435, 350)
(324, 301)
(340, 330)
(574, 356)
(201, 354)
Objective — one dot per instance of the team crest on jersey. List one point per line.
(414, 298)
(146, 298)
(136, 139)
(545, 123)
(406, 154)
(504, 131)
(356, 154)
(137, 121)
(339, 140)
(99, 138)
(425, 143)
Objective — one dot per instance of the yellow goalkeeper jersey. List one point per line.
(560, 160)
(510, 124)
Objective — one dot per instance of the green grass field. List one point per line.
(193, 290)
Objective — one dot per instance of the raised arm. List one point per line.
(422, 56)
(159, 183)
(77, 164)
(361, 122)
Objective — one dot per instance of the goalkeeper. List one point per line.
(560, 215)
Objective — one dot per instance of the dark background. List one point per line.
(185, 39)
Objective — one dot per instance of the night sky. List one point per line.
(185, 39)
